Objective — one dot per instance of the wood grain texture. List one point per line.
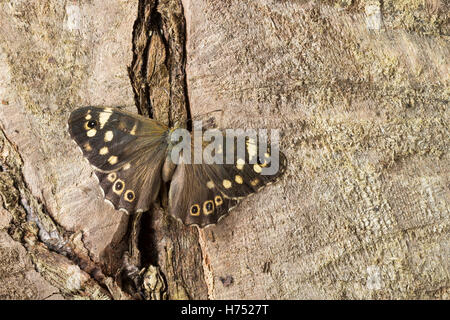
(158, 77)
(55, 57)
(361, 99)
(363, 209)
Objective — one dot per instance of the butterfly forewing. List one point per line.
(110, 138)
(127, 150)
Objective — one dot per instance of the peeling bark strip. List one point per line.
(142, 33)
(174, 29)
(158, 78)
(157, 70)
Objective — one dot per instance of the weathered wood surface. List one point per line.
(363, 210)
(361, 100)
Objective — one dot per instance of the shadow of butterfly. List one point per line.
(131, 156)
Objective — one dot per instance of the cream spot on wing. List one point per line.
(263, 163)
(112, 160)
(87, 147)
(226, 183)
(210, 184)
(238, 179)
(91, 133)
(195, 210)
(88, 116)
(127, 166)
(112, 177)
(118, 187)
(129, 196)
(103, 118)
(240, 164)
(133, 131)
(257, 168)
(254, 182)
(218, 200)
(208, 207)
(108, 202)
(103, 151)
(108, 136)
(251, 148)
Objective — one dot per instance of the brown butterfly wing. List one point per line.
(194, 187)
(245, 176)
(121, 146)
(110, 137)
(193, 199)
(136, 187)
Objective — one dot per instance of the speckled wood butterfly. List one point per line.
(131, 156)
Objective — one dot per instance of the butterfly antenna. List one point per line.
(197, 116)
(206, 113)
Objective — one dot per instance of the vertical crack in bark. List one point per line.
(142, 33)
(174, 30)
(158, 77)
(157, 71)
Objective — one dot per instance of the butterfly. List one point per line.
(131, 157)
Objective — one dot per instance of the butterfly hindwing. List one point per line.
(244, 176)
(134, 187)
(194, 187)
(194, 199)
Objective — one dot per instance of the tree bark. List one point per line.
(358, 89)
